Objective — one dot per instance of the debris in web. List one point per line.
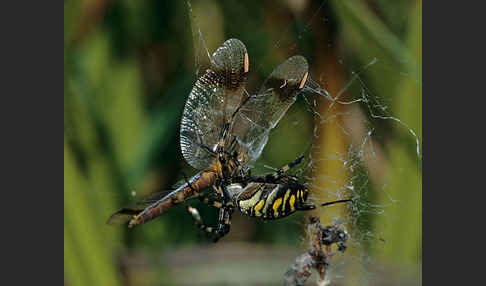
(319, 255)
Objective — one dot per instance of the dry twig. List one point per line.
(318, 257)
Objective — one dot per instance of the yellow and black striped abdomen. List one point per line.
(272, 201)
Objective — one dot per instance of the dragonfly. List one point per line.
(223, 132)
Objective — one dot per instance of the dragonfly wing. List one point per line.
(263, 111)
(127, 213)
(216, 94)
(123, 216)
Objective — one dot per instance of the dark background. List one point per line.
(129, 67)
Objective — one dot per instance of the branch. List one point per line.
(318, 257)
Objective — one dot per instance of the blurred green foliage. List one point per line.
(128, 68)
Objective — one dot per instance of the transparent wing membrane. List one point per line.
(220, 92)
(263, 111)
(215, 95)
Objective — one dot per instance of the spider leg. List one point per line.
(278, 176)
(218, 190)
(224, 223)
(245, 100)
(288, 167)
(211, 201)
(226, 210)
(196, 217)
(226, 131)
(306, 207)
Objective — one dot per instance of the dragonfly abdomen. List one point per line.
(194, 186)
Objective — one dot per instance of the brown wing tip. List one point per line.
(304, 79)
(247, 63)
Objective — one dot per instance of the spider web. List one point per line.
(356, 114)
